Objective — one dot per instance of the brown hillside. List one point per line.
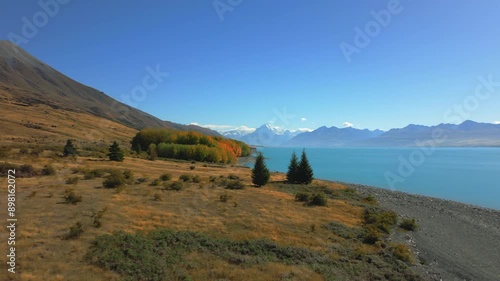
(27, 81)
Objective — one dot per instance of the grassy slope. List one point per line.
(251, 213)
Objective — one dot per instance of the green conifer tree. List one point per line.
(260, 173)
(291, 175)
(69, 149)
(304, 173)
(115, 153)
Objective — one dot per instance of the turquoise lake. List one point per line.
(469, 175)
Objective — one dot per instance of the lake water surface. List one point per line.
(469, 175)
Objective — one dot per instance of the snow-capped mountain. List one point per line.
(265, 135)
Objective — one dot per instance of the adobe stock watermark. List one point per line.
(32, 25)
(363, 37)
(139, 93)
(223, 6)
(459, 113)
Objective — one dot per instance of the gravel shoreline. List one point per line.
(455, 241)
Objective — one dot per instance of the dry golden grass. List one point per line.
(40, 124)
(249, 213)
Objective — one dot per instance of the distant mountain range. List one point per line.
(469, 133)
(265, 135)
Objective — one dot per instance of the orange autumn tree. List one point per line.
(190, 145)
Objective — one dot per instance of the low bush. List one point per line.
(141, 180)
(302, 197)
(75, 231)
(70, 197)
(370, 199)
(114, 180)
(72, 180)
(155, 182)
(95, 173)
(196, 179)
(48, 170)
(383, 220)
(401, 252)
(408, 224)
(185, 178)
(343, 231)
(318, 199)
(176, 185)
(192, 167)
(235, 184)
(165, 177)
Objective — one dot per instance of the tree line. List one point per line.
(188, 146)
(299, 172)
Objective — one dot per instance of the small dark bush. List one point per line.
(74, 232)
(114, 180)
(155, 182)
(383, 220)
(192, 167)
(72, 180)
(92, 174)
(70, 197)
(48, 170)
(302, 196)
(370, 199)
(185, 178)
(318, 199)
(157, 197)
(409, 224)
(26, 171)
(235, 184)
(176, 185)
(401, 252)
(141, 180)
(196, 179)
(166, 177)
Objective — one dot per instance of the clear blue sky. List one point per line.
(265, 56)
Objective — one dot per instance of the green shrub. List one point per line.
(48, 170)
(155, 182)
(96, 173)
(114, 180)
(192, 167)
(318, 199)
(75, 231)
(72, 180)
(343, 231)
(408, 224)
(235, 184)
(185, 178)
(166, 177)
(401, 252)
(176, 185)
(370, 199)
(384, 220)
(302, 196)
(141, 180)
(70, 197)
(196, 179)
